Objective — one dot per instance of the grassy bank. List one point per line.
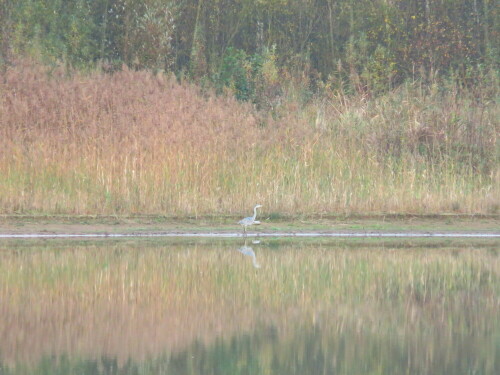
(138, 143)
(154, 224)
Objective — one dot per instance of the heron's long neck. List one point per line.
(254, 212)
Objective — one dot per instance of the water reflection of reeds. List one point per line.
(138, 301)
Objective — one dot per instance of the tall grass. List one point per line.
(138, 143)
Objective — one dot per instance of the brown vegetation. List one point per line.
(134, 142)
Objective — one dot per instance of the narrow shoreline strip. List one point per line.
(240, 235)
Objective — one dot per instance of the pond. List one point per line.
(236, 306)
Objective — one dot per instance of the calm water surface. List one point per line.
(226, 306)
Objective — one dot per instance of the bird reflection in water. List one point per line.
(247, 250)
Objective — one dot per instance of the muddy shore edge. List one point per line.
(29, 224)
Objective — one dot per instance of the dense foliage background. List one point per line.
(365, 45)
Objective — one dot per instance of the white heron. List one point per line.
(249, 220)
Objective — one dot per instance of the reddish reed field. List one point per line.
(134, 142)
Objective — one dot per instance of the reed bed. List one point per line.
(134, 301)
(137, 143)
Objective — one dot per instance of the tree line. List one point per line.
(368, 45)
